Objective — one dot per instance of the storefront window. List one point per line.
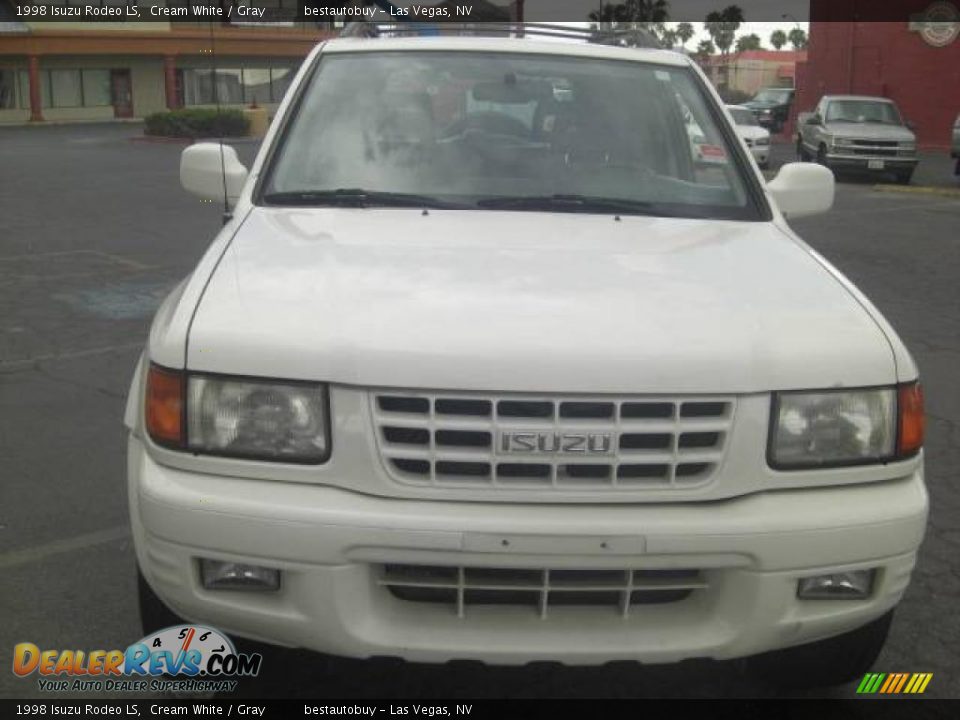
(236, 86)
(96, 88)
(65, 86)
(198, 87)
(8, 90)
(256, 85)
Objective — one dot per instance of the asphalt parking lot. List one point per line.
(95, 229)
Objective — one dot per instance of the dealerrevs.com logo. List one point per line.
(182, 658)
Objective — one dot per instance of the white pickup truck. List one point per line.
(488, 364)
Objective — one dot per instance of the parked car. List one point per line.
(856, 132)
(472, 373)
(771, 107)
(756, 138)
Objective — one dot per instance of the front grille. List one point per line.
(876, 151)
(551, 443)
(876, 143)
(540, 589)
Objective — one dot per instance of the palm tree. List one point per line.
(722, 27)
(684, 32)
(778, 38)
(632, 14)
(798, 38)
(749, 42)
(705, 49)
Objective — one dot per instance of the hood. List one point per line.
(870, 131)
(763, 104)
(752, 132)
(525, 301)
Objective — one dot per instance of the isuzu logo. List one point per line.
(533, 441)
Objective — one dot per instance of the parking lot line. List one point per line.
(67, 545)
(26, 362)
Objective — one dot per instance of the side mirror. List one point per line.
(911, 125)
(801, 189)
(814, 120)
(203, 172)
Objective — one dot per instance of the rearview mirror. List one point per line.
(802, 189)
(204, 172)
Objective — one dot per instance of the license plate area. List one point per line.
(875, 164)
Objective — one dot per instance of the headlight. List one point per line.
(283, 421)
(766, 112)
(908, 146)
(833, 427)
(843, 142)
(261, 419)
(762, 141)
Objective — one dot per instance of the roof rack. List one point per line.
(625, 37)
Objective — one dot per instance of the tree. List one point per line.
(649, 15)
(749, 42)
(631, 11)
(684, 32)
(798, 38)
(668, 37)
(705, 49)
(778, 38)
(723, 25)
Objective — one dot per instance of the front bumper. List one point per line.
(891, 163)
(330, 544)
(761, 153)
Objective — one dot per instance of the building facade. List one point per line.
(750, 70)
(914, 60)
(71, 71)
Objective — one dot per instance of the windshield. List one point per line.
(506, 131)
(862, 111)
(775, 97)
(742, 116)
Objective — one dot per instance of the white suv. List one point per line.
(488, 364)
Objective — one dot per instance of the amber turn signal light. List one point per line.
(164, 406)
(910, 411)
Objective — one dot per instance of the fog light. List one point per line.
(854, 585)
(220, 575)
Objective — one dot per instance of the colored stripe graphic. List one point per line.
(894, 683)
(903, 681)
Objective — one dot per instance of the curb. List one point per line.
(191, 141)
(160, 139)
(919, 190)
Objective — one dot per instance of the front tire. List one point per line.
(833, 661)
(802, 154)
(904, 177)
(822, 155)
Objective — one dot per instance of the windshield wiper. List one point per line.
(355, 197)
(575, 203)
